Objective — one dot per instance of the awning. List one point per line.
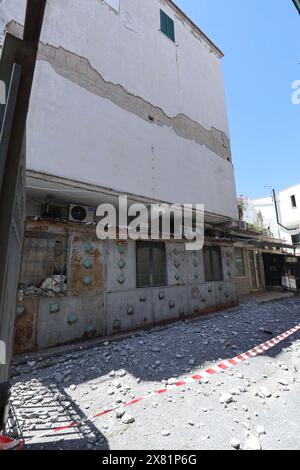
(262, 243)
(272, 244)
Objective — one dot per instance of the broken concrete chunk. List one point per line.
(226, 398)
(252, 444)
(235, 444)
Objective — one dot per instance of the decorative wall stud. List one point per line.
(130, 311)
(87, 280)
(90, 329)
(117, 325)
(121, 279)
(121, 263)
(88, 247)
(88, 264)
(54, 308)
(20, 311)
(143, 298)
(161, 296)
(172, 304)
(121, 248)
(72, 319)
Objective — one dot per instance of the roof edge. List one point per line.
(216, 49)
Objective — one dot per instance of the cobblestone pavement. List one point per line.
(261, 410)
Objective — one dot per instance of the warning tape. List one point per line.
(10, 444)
(198, 377)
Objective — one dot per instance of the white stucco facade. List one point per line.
(117, 104)
(288, 204)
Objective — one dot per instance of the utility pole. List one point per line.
(17, 67)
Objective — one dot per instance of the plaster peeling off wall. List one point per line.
(80, 71)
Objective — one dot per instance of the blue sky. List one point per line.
(261, 42)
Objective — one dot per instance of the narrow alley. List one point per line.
(254, 403)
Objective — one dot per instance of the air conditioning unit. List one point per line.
(242, 225)
(81, 214)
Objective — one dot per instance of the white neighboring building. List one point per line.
(288, 206)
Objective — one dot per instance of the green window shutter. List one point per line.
(213, 264)
(167, 25)
(163, 22)
(239, 261)
(171, 29)
(150, 264)
(158, 264)
(209, 276)
(143, 264)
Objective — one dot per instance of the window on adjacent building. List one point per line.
(296, 239)
(44, 256)
(150, 264)
(213, 263)
(167, 25)
(239, 262)
(293, 201)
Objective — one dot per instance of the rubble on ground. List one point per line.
(242, 408)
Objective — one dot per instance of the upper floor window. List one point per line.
(296, 239)
(213, 264)
(293, 202)
(167, 25)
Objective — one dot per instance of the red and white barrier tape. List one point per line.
(10, 444)
(198, 377)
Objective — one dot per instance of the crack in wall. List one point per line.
(80, 71)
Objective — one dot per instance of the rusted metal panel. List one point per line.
(129, 311)
(169, 304)
(25, 326)
(85, 274)
(69, 319)
(202, 297)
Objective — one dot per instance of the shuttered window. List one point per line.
(167, 25)
(150, 264)
(239, 262)
(213, 264)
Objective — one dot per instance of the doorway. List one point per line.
(274, 269)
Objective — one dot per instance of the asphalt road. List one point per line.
(263, 395)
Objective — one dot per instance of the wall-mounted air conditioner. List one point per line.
(81, 214)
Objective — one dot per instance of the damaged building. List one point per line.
(128, 98)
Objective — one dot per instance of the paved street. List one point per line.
(260, 408)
